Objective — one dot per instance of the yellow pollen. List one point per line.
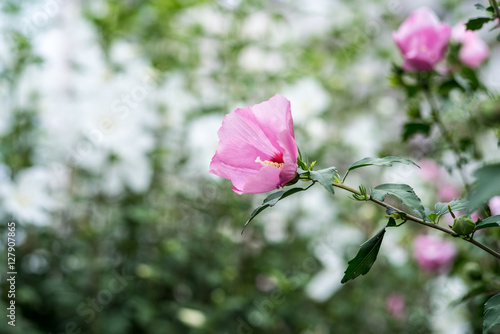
(269, 163)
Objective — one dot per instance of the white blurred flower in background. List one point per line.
(308, 99)
(257, 59)
(329, 250)
(447, 318)
(28, 197)
(202, 142)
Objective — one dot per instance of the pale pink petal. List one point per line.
(273, 117)
(429, 170)
(290, 154)
(473, 51)
(422, 40)
(242, 140)
(267, 179)
(237, 175)
(257, 149)
(494, 204)
(458, 32)
(434, 254)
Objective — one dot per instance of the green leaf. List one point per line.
(413, 128)
(445, 88)
(467, 78)
(477, 23)
(324, 177)
(481, 7)
(432, 217)
(491, 313)
(403, 192)
(458, 204)
(365, 258)
(487, 186)
(391, 222)
(271, 200)
(386, 161)
(493, 221)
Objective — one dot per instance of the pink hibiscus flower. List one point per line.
(474, 50)
(422, 40)
(257, 150)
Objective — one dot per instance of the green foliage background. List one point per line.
(178, 239)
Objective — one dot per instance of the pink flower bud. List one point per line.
(474, 50)
(433, 254)
(422, 40)
(257, 149)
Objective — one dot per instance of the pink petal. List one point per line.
(434, 254)
(473, 51)
(289, 170)
(261, 133)
(237, 175)
(274, 116)
(422, 40)
(267, 179)
(494, 204)
(242, 140)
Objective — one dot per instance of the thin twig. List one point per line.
(419, 220)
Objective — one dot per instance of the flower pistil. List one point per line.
(270, 163)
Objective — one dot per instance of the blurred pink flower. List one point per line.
(422, 40)
(494, 204)
(257, 149)
(433, 254)
(447, 192)
(474, 50)
(429, 170)
(395, 305)
(475, 216)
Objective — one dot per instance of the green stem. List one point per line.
(346, 173)
(494, 4)
(446, 135)
(419, 220)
